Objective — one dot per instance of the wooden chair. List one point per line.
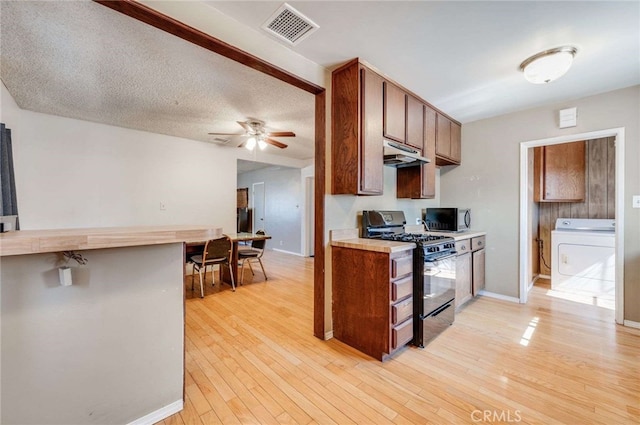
(247, 255)
(216, 251)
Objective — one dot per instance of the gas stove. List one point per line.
(389, 226)
(434, 271)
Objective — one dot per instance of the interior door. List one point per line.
(257, 190)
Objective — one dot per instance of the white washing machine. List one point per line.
(583, 257)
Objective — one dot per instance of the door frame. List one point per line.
(253, 204)
(172, 26)
(525, 248)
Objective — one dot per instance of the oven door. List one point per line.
(438, 283)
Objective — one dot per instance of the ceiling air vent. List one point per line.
(289, 25)
(221, 141)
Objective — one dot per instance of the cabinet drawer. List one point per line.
(401, 288)
(477, 243)
(463, 246)
(401, 266)
(401, 311)
(401, 334)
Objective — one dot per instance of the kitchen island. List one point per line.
(109, 348)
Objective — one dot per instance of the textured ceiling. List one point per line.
(82, 60)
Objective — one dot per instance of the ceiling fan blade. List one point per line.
(275, 143)
(281, 134)
(225, 134)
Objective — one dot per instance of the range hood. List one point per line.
(399, 155)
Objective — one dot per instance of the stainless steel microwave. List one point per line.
(448, 219)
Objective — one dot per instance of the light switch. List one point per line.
(636, 201)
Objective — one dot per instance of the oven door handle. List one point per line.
(446, 257)
(441, 309)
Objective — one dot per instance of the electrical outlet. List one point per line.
(281, 243)
(163, 206)
(636, 201)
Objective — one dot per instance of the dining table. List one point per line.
(194, 248)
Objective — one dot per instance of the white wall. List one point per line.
(488, 180)
(106, 350)
(284, 201)
(72, 173)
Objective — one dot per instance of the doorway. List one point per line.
(258, 203)
(528, 211)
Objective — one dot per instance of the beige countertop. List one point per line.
(348, 238)
(374, 245)
(458, 236)
(56, 240)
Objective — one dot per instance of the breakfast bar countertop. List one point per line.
(54, 240)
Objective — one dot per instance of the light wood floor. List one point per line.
(251, 358)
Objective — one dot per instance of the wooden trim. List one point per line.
(165, 23)
(319, 191)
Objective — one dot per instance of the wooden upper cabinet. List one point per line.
(420, 182)
(443, 138)
(456, 142)
(559, 172)
(356, 135)
(429, 170)
(415, 123)
(448, 142)
(371, 155)
(395, 101)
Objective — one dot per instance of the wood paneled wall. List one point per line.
(599, 199)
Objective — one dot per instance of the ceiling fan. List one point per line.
(257, 134)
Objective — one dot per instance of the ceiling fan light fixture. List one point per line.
(262, 144)
(251, 143)
(548, 65)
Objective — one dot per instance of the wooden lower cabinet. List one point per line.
(470, 264)
(372, 300)
(463, 278)
(478, 271)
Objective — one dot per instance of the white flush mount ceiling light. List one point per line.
(549, 65)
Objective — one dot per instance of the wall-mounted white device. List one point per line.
(65, 276)
(568, 117)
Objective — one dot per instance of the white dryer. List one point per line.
(583, 257)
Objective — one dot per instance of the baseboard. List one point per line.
(328, 335)
(160, 414)
(632, 324)
(288, 252)
(485, 293)
(544, 276)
